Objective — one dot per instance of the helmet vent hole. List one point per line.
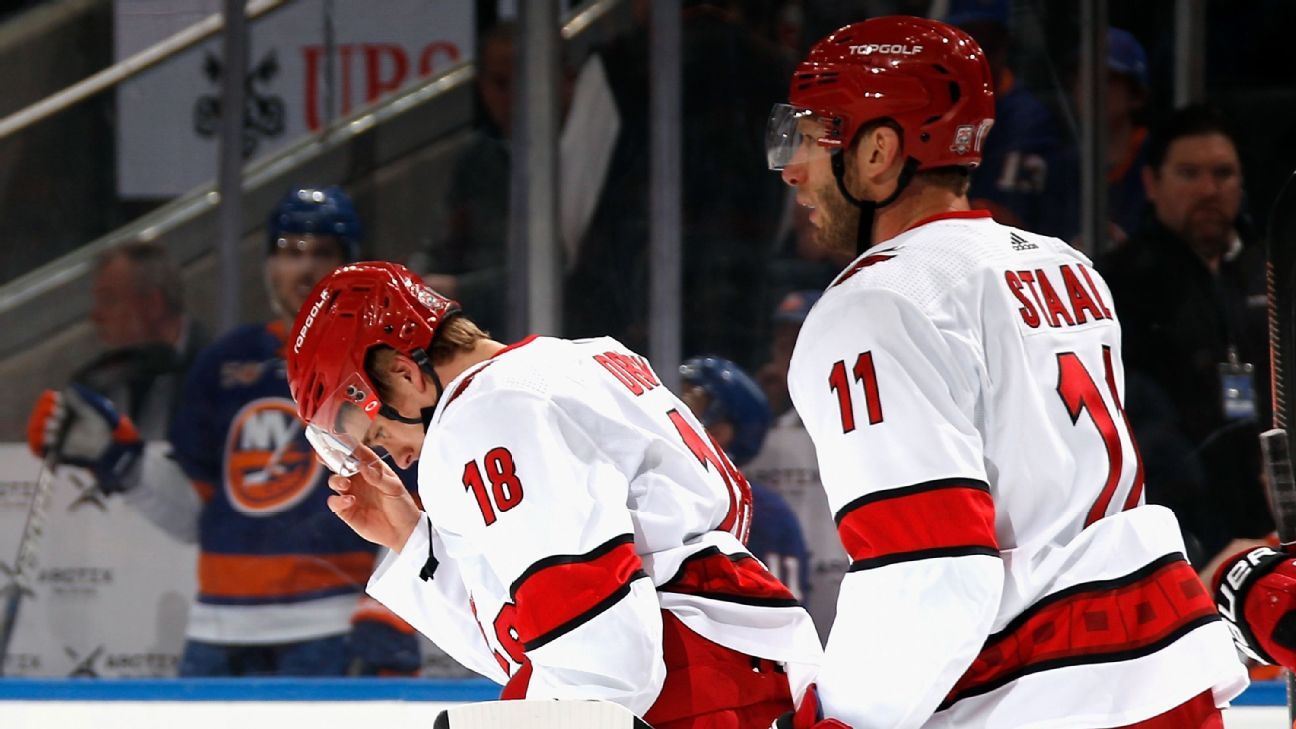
(924, 137)
(955, 93)
(940, 69)
(931, 120)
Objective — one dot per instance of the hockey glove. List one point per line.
(1255, 591)
(381, 643)
(809, 715)
(83, 429)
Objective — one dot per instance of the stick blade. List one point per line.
(539, 714)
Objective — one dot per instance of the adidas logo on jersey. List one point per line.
(1021, 244)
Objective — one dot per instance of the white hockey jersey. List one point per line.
(962, 383)
(570, 498)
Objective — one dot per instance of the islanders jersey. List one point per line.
(962, 383)
(274, 565)
(777, 541)
(571, 499)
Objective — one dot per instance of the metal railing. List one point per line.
(127, 68)
(54, 294)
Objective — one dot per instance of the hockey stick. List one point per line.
(539, 714)
(1276, 446)
(24, 566)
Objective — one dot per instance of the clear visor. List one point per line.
(795, 136)
(341, 423)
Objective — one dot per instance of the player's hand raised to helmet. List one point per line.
(374, 502)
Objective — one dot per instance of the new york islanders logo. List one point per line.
(269, 466)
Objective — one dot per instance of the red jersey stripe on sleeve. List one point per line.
(558, 594)
(1095, 622)
(739, 578)
(949, 517)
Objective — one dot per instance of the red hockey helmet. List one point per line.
(930, 78)
(355, 308)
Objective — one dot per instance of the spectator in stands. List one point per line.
(1192, 343)
(1127, 100)
(468, 260)
(734, 412)
(732, 74)
(280, 579)
(788, 466)
(1011, 179)
(139, 316)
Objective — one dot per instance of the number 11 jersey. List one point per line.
(962, 383)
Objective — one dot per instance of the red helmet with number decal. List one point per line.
(353, 309)
(930, 78)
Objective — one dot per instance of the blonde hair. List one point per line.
(459, 334)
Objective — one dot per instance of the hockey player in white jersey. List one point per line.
(579, 536)
(962, 383)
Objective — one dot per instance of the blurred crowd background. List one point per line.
(407, 115)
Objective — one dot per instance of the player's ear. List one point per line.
(401, 367)
(877, 149)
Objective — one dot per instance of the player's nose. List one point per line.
(794, 174)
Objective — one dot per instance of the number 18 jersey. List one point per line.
(962, 383)
(570, 500)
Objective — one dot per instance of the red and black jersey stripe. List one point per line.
(560, 593)
(950, 517)
(1104, 621)
(738, 578)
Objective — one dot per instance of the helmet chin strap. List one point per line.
(425, 414)
(868, 208)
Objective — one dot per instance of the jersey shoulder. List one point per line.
(940, 257)
(529, 369)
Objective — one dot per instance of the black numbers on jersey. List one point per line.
(505, 488)
(839, 382)
(1080, 394)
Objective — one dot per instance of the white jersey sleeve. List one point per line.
(890, 403)
(539, 515)
(428, 592)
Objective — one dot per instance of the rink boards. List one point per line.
(325, 703)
